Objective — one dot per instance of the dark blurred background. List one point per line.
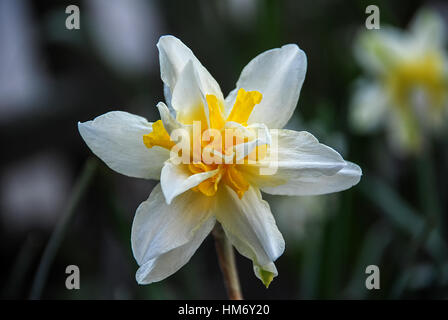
(51, 78)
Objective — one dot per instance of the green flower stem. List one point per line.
(57, 236)
(226, 258)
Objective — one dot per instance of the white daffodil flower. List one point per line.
(192, 195)
(406, 88)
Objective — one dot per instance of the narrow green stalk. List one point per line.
(57, 236)
(226, 258)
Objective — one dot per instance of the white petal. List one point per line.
(117, 138)
(278, 74)
(168, 263)
(303, 167)
(250, 226)
(404, 133)
(429, 29)
(165, 237)
(188, 98)
(301, 151)
(167, 94)
(173, 56)
(257, 132)
(344, 179)
(378, 51)
(368, 107)
(176, 179)
(169, 122)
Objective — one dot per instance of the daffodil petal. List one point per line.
(429, 29)
(344, 179)
(404, 132)
(168, 95)
(176, 179)
(258, 133)
(188, 99)
(301, 151)
(303, 167)
(164, 237)
(173, 56)
(250, 226)
(368, 107)
(215, 112)
(378, 51)
(117, 138)
(169, 122)
(170, 262)
(262, 137)
(278, 75)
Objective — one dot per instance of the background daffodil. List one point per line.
(406, 84)
(182, 210)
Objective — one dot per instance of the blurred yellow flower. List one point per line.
(406, 84)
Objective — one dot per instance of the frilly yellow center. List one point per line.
(227, 173)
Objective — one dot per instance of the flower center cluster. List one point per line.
(219, 142)
(425, 73)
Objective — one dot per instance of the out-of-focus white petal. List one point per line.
(164, 237)
(404, 133)
(379, 50)
(303, 167)
(278, 75)
(173, 56)
(176, 179)
(250, 226)
(368, 107)
(428, 29)
(117, 138)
